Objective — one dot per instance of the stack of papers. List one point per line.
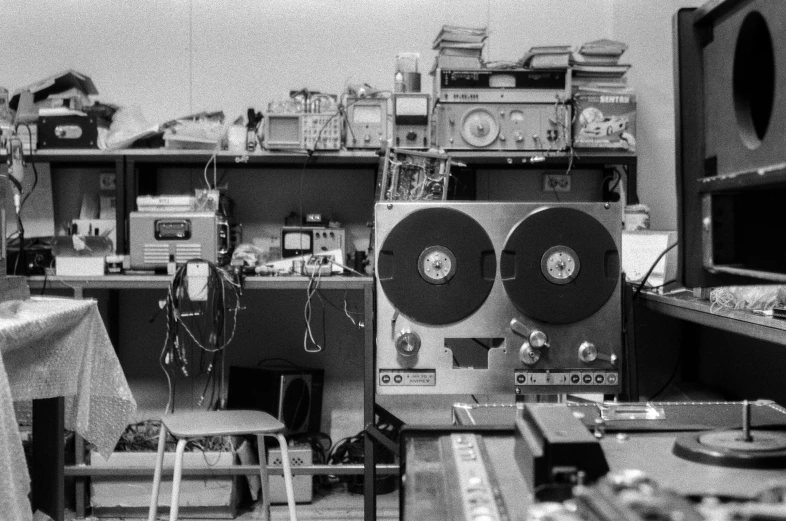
(547, 57)
(597, 63)
(459, 47)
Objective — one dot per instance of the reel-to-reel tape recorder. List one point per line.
(489, 297)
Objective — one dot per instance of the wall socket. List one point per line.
(556, 183)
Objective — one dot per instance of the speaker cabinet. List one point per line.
(292, 395)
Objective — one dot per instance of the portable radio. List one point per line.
(157, 237)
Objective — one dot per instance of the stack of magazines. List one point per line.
(597, 63)
(459, 47)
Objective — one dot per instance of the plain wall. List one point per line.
(176, 57)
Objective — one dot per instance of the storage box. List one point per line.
(129, 496)
(79, 266)
(67, 132)
(299, 456)
(605, 120)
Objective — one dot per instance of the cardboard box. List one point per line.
(79, 266)
(605, 120)
(129, 496)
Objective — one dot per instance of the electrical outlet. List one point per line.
(556, 183)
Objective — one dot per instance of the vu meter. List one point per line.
(411, 120)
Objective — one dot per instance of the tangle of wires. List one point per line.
(312, 290)
(16, 141)
(415, 177)
(204, 320)
(351, 450)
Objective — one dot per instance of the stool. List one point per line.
(186, 426)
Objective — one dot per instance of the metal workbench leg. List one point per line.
(48, 494)
(369, 399)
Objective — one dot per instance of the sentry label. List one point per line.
(407, 378)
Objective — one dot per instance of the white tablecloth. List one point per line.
(57, 347)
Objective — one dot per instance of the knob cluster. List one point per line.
(534, 342)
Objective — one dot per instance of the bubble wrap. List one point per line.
(59, 347)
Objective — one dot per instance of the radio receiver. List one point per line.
(481, 297)
(517, 109)
(503, 126)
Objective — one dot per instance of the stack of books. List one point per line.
(459, 47)
(547, 57)
(597, 64)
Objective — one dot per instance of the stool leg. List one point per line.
(264, 477)
(153, 512)
(175, 506)
(287, 476)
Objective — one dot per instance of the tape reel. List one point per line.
(437, 266)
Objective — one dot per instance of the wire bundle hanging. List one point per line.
(206, 325)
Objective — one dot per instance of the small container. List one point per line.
(297, 267)
(114, 264)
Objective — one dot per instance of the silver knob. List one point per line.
(528, 355)
(539, 339)
(407, 343)
(588, 352)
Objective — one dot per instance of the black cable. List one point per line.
(669, 380)
(672, 281)
(32, 163)
(649, 272)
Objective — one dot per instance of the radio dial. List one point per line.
(411, 135)
(479, 128)
(519, 137)
(367, 138)
(502, 137)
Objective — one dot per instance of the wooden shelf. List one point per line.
(337, 157)
(162, 282)
(525, 158)
(685, 306)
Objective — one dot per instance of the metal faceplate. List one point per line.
(431, 370)
(502, 126)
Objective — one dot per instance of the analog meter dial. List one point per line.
(517, 117)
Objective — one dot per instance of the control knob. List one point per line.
(588, 352)
(407, 343)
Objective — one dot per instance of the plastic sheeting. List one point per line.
(57, 347)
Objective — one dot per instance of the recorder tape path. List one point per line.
(437, 266)
(559, 265)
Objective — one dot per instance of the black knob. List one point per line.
(411, 135)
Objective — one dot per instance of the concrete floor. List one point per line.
(336, 504)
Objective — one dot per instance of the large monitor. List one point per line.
(730, 95)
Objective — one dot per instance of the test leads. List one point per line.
(411, 120)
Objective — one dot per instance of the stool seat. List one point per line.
(198, 424)
(188, 425)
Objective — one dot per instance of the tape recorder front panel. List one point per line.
(502, 126)
(534, 288)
